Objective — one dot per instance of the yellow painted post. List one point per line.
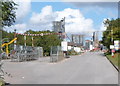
(6, 44)
(7, 52)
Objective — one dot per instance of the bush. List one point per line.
(72, 52)
(46, 54)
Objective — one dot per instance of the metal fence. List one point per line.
(56, 54)
(26, 53)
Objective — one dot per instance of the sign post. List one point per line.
(111, 46)
(64, 46)
(112, 50)
(116, 45)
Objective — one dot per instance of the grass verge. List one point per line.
(115, 60)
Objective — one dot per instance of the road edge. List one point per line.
(112, 64)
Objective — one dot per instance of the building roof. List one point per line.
(74, 44)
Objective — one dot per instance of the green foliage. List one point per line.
(7, 16)
(7, 10)
(113, 31)
(114, 59)
(72, 52)
(45, 41)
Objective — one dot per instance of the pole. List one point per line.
(0, 41)
(111, 35)
(25, 46)
(25, 40)
(32, 42)
(7, 52)
(64, 27)
(15, 40)
(93, 39)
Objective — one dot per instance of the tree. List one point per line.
(45, 41)
(112, 32)
(8, 14)
(7, 17)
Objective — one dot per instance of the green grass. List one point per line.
(114, 59)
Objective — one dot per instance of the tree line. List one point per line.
(111, 33)
(45, 41)
(8, 17)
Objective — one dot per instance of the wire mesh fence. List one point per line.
(56, 54)
(26, 53)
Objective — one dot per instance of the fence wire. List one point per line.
(26, 53)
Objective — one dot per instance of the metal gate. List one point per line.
(56, 54)
(26, 53)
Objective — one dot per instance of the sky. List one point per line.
(80, 17)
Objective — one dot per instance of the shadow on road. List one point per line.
(102, 54)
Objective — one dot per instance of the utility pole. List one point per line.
(32, 42)
(25, 45)
(25, 40)
(111, 35)
(15, 40)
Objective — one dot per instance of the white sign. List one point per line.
(91, 47)
(116, 44)
(77, 49)
(111, 46)
(64, 45)
(69, 47)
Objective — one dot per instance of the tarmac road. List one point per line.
(89, 68)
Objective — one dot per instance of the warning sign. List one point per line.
(116, 44)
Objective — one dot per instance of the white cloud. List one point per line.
(44, 17)
(23, 9)
(75, 21)
(43, 20)
(90, 0)
(75, 0)
(103, 28)
(20, 28)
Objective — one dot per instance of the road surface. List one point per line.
(89, 68)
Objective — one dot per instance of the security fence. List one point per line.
(26, 53)
(56, 54)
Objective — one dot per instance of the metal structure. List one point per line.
(88, 43)
(95, 39)
(59, 26)
(56, 54)
(26, 53)
(78, 39)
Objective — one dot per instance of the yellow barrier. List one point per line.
(6, 44)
